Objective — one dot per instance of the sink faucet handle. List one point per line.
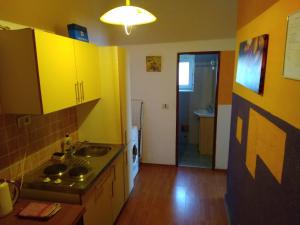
(66, 143)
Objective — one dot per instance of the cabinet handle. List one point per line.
(115, 177)
(78, 89)
(112, 189)
(76, 92)
(82, 91)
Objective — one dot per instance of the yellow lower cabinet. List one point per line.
(105, 199)
(128, 179)
(118, 196)
(98, 201)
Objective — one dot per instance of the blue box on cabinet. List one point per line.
(78, 32)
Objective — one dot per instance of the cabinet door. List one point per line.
(99, 203)
(118, 186)
(206, 135)
(19, 84)
(124, 95)
(88, 71)
(57, 72)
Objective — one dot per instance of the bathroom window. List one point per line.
(186, 73)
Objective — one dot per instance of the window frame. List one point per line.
(191, 60)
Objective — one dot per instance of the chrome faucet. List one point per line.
(210, 109)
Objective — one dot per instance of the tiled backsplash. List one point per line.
(38, 140)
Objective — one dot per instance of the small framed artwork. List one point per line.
(291, 69)
(251, 65)
(153, 63)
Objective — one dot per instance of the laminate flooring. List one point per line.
(169, 195)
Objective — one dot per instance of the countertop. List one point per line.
(99, 164)
(68, 215)
(204, 113)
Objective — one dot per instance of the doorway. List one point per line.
(197, 79)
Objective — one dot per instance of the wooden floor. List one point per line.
(166, 195)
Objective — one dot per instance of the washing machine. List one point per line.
(135, 151)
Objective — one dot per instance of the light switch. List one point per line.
(165, 106)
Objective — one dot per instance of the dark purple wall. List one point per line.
(262, 201)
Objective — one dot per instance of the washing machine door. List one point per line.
(134, 154)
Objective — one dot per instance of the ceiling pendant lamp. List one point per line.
(127, 16)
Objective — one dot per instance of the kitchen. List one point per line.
(88, 128)
(45, 133)
(53, 89)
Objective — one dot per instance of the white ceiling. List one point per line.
(178, 21)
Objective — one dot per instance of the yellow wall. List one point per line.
(226, 77)
(281, 96)
(249, 9)
(54, 16)
(100, 121)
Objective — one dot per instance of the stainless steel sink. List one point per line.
(92, 151)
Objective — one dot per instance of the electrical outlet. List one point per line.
(27, 120)
(24, 121)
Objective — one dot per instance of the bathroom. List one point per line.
(197, 85)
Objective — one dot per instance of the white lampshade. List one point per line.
(128, 15)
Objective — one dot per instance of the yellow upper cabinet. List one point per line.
(106, 113)
(41, 72)
(57, 71)
(88, 71)
(107, 120)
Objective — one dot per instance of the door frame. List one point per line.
(218, 53)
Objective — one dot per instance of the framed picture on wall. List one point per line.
(153, 63)
(251, 65)
(291, 69)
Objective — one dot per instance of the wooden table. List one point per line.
(68, 215)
